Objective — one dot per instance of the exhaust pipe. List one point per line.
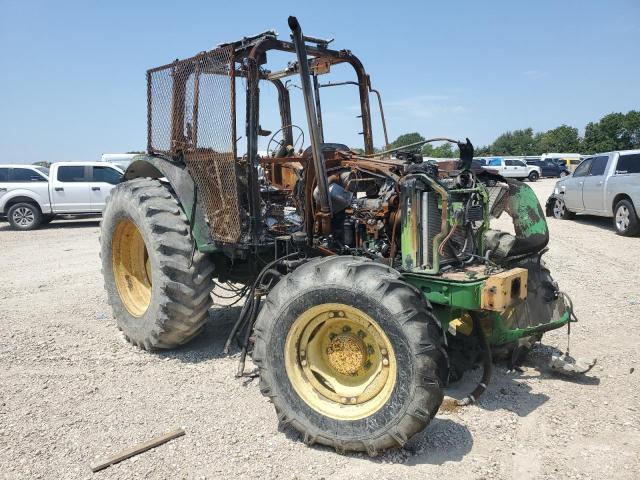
(312, 119)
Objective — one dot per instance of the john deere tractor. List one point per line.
(370, 279)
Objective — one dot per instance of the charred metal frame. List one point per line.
(254, 50)
(248, 57)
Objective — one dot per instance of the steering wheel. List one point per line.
(279, 147)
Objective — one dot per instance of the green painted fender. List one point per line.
(177, 175)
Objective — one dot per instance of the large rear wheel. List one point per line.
(350, 355)
(159, 297)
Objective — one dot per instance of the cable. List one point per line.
(248, 305)
(487, 364)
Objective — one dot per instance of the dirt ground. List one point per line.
(72, 390)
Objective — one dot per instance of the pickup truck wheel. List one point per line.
(158, 284)
(24, 216)
(533, 176)
(560, 210)
(625, 219)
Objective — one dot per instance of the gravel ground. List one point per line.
(72, 390)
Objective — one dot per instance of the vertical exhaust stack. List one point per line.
(312, 120)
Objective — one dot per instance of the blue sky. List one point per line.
(73, 73)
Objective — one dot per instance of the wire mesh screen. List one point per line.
(191, 114)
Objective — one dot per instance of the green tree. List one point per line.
(631, 132)
(445, 151)
(427, 150)
(442, 151)
(482, 151)
(561, 139)
(616, 131)
(407, 139)
(518, 142)
(605, 134)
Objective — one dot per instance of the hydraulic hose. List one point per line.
(487, 364)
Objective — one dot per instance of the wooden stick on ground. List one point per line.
(141, 447)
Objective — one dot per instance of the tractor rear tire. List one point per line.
(159, 297)
(352, 324)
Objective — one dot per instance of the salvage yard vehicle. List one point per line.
(569, 160)
(30, 198)
(514, 168)
(550, 167)
(368, 281)
(608, 185)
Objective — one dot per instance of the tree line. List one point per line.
(615, 131)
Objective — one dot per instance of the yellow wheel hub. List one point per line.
(340, 362)
(131, 267)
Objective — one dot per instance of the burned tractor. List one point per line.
(370, 280)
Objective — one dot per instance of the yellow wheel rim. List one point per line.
(131, 267)
(340, 362)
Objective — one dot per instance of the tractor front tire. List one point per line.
(159, 296)
(350, 355)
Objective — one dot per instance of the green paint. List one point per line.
(452, 299)
(463, 295)
(528, 217)
(501, 334)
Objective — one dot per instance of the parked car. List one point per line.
(569, 160)
(606, 184)
(550, 167)
(29, 197)
(513, 168)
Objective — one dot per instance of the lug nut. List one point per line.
(383, 351)
(341, 313)
(385, 362)
(303, 362)
(344, 399)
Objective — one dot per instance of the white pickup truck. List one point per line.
(606, 184)
(31, 195)
(514, 168)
